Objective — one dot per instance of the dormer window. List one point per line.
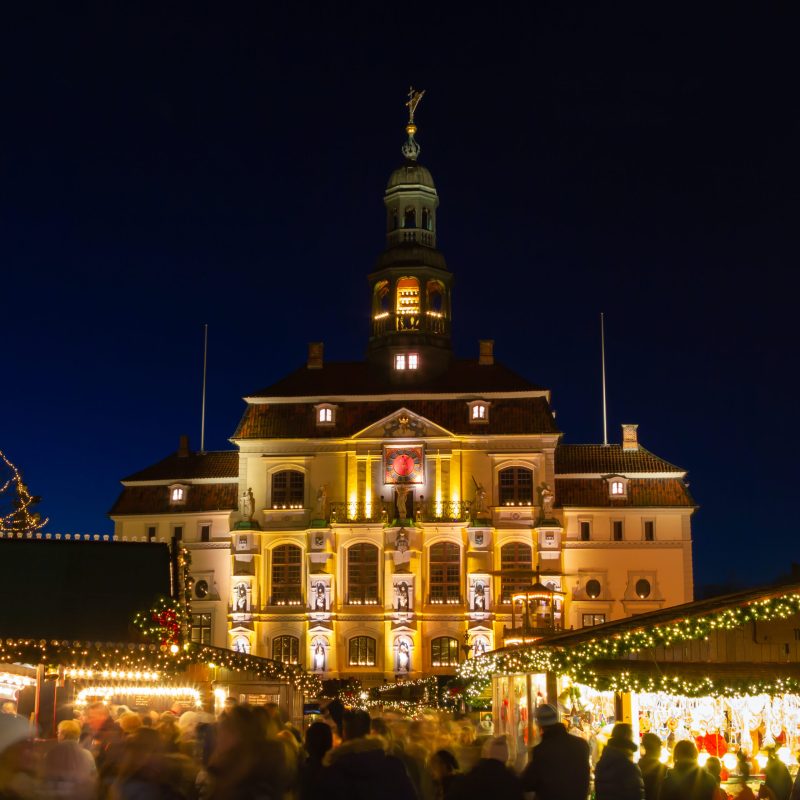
(406, 361)
(617, 487)
(478, 411)
(177, 495)
(325, 414)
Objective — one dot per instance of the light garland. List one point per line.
(107, 692)
(20, 520)
(576, 661)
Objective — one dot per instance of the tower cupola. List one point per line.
(411, 284)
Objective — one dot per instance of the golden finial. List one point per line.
(414, 97)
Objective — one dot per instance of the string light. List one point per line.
(576, 662)
(20, 519)
(107, 692)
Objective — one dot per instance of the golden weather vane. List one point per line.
(414, 97)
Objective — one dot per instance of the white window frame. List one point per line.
(178, 488)
(399, 361)
(413, 360)
(406, 361)
(325, 415)
(617, 481)
(478, 412)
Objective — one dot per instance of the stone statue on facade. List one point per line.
(547, 499)
(480, 499)
(322, 501)
(247, 505)
(402, 498)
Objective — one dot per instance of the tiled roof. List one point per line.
(608, 459)
(221, 464)
(647, 492)
(155, 499)
(529, 415)
(361, 377)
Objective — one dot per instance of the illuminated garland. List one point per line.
(163, 623)
(20, 519)
(108, 656)
(575, 662)
(432, 697)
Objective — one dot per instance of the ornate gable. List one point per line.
(402, 424)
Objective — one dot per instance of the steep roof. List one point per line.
(360, 377)
(526, 415)
(608, 459)
(642, 492)
(155, 499)
(219, 464)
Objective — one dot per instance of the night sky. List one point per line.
(166, 165)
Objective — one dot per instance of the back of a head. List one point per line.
(69, 730)
(496, 748)
(66, 762)
(319, 739)
(685, 751)
(130, 722)
(448, 760)
(714, 766)
(356, 724)
(651, 745)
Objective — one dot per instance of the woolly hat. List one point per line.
(496, 747)
(546, 715)
(13, 729)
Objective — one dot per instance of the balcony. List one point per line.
(424, 321)
(444, 511)
(360, 513)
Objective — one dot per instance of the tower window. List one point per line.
(395, 220)
(408, 296)
(427, 222)
(400, 361)
(410, 218)
(406, 361)
(413, 360)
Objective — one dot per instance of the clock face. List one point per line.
(403, 464)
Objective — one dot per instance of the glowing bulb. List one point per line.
(173, 649)
(702, 758)
(729, 761)
(761, 760)
(664, 757)
(785, 755)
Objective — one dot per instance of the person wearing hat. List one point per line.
(616, 777)
(558, 768)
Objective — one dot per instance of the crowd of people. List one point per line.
(253, 753)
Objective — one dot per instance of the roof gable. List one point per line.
(402, 424)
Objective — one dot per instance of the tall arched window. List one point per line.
(395, 223)
(286, 649)
(288, 489)
(516, 486)
(362, 574)
(287, 562)
(445, 573)
(361, 651)
(444, 652)
(427, 220)
(410, 218)
(514, 557)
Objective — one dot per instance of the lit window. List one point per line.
(478, 412)
(593, 619)
(325, 415)
(177, 494)
(413, 360)
(400, 361)
(617, 488)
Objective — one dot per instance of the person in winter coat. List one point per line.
(777, 777)
(490, 777)
(360, 768)
(653, 771)
(616, 777)
(558, 768)
(687, 780)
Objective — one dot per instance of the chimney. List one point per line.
(315, 355)
(486, 352)
(630, 439)
(183, 446)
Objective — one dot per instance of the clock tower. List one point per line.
(411, 285)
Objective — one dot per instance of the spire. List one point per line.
(411, 148)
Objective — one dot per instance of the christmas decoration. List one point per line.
(576, 662)
(164, 623)
(20, 517)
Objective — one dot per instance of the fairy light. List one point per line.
(110, 691)
(20, 519)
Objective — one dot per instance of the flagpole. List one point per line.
(203, 408)
(603, 363)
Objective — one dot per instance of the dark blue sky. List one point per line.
(162, 166)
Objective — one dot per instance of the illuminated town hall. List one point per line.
(394, 516)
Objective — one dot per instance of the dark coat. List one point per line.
(688, 781)
(653, 772)
(559, 766)
(360, 769)
(489, 778)
(778, 779)
(616, 777)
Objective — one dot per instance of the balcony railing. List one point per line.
(343, 513)
(425, 321)
(450, 600)
(443, 511)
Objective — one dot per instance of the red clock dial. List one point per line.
(403, 464)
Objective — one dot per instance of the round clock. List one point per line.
(403, 464)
